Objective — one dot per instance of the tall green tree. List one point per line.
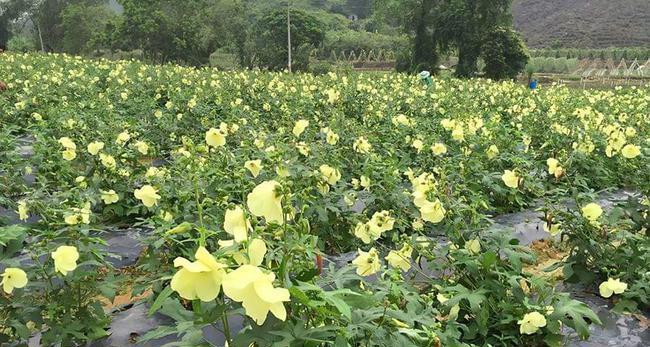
(417, 18)
(81, 24)
(450, 26)
(165, 30)
(10, 11)
(504, 54)
(45, 16)
(307, 32)
(462, 25)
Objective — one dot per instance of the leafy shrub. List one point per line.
(21, 43)
(224, 61)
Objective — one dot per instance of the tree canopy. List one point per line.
(255, 32)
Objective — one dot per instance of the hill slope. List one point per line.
(583, 23)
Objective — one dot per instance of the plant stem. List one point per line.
(79, 298)
(199, 208)
(221, 300)
(226, 327)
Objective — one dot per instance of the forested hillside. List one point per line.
(583, 23)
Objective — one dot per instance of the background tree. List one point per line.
(307, 32)
(504, 54)
(166, 30)
(463, 24)
(83, 24)
(10, 11)
(418, 20)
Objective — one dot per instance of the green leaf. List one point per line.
(475, 299)
(554, 340)
(340, 305)
(158, 333)
(574, 314)
(488, 259)
(157, 304)
(341, 342)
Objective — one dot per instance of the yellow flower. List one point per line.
(142, 147)
(330, 174)
(254, 289)
(432, 211)
(303, 148)
(166, 216)
(236, 224)
(332, 95)
(631, 151)
(363, 232)
(67, 143)
(418, 145)
(215, 137)
(331, 137)
(282, 171)
(259, 143)
(256, 252)
(254, 166)
(510, 178)
(65, 259)
(13, 278)
(492, 152)
(95, 147)
(23, 211)
(72, 219)
(300, 127)
(200, 279)
(264, 201)
(365, 182)
(439, 149)
(611, 286)
(148, 195)
(110, 197)
(401, 259)
(381, 222)
(458, 134)
(552, 165)
(531, 323)
(473, 246)
(69, 154)
(123, 137)
(367, 262)
(402, 120)
(152, 172)
(592, 212)
(107, 160)
(323, 188)
(361, 145)
(349, 199)
(553, 229)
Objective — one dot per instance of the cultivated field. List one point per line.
(302, 210)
